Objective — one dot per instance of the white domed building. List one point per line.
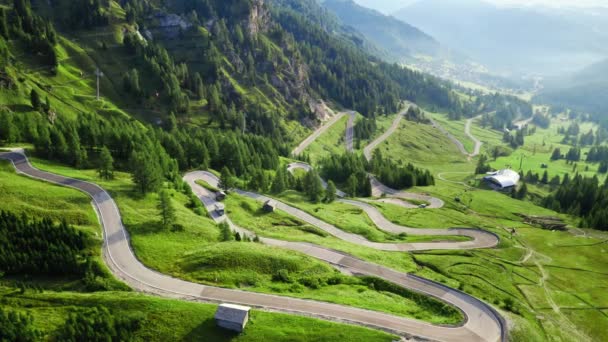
(503, 179)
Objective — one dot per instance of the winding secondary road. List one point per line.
(311, 138)
(482, 322)
(350, 131)
(367, 151)
(458, 143)
(467, 131)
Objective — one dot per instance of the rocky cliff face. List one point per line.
(259, 18)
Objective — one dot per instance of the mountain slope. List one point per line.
(522, 40)
(586, 90)
(397, 39)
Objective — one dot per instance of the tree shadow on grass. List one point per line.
(209, 331)
(20, 108)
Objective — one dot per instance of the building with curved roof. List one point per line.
(503, 179)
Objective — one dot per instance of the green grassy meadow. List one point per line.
(173, 320)
(330, 142)
(455, 127)
(538, 148)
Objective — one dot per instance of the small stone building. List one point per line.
(269, 206)
(232, 317)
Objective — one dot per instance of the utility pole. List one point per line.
(99, 74)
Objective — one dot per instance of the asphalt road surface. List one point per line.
(350, 131)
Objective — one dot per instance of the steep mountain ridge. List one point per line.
(397, 39)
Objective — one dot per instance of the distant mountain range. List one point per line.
(397, 41)
(395, 38)
(586, 90)
(514, 40)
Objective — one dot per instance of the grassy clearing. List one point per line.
(455, 127)
(424, 146)
(172, 320)
(538, 148)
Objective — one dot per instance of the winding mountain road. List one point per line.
(367, 151)
(350, 131)
(482, 322)
(467, 131)
(458, 143)
(311, 138)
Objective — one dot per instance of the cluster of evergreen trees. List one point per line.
(83, 14)
(598, 154)
(506, 109)
(536, 178)
(573, 135)
(151, 155)
(350, 171)
(414, 113)
(16, 326)
(518, 139)
(99, 324)
(399, 176)
(36, 34)
(38, 247)
(540, 120)
(573, 154)
(364, 129)
(583, 197)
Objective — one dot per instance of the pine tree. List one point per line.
(557, 154)
(352, 185)
(545, 178)
(278, 184)
(35, 99)
(522, 192)
(226, 179)
(105, 164)
(8, 130)
(3, 24)
(146, 172)
(167, 211)
(330, 192)
(225, 232)
(313, 186)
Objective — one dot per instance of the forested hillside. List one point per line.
(212, 83)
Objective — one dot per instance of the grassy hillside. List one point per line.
(162, 319)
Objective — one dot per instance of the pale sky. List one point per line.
(390, 6)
